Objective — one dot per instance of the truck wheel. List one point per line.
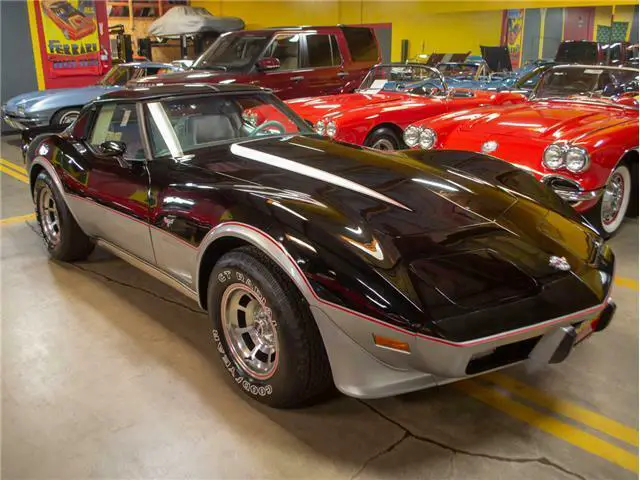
(384, 139)
(65, 116)
(608, 214)
(63, 237)
(265, 334)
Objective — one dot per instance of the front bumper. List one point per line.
(572, 192)
(365, 370)
(23, 123)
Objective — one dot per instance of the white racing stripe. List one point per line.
(312, 172)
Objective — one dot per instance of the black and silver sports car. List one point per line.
(320, 262)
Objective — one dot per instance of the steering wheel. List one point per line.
(582, 86)
(426, 90)
(270, 123)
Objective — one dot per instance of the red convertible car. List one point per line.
(73, 23)
(391, 97)
(585, 148)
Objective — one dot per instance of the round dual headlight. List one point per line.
(553, 157)
(320, 127)
(411, 136)
(428, 139)
(576, 159)
(331, 129)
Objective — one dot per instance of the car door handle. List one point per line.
(296, 79)
(343, 74)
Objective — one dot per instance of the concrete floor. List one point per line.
(107, 373)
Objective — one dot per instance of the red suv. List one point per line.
(293, 62)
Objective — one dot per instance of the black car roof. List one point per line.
(173, 90)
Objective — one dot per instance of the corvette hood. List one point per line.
(314, 108)
(545, 120)
(418, 194)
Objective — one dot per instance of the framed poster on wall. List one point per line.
(71, 37)
(73, 41)
(513, 29)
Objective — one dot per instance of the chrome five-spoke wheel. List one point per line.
(49, 216)
(250, 331)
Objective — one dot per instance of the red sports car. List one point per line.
(585, 148)
(391, 97)
(73, 23)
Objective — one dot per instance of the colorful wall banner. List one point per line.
(513, 31)
(71, 37)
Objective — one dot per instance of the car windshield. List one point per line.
(120, 74)
(458, 70)
(232, 52)
(416, 79)
(178, 126)
(529, 80)
(590, 81)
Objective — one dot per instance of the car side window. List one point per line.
(320, 51)
(285, 48)
(118, 122)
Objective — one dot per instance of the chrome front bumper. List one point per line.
(22, 123)
(365, 370)
(570, 190)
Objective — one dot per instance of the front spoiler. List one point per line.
(364, 370)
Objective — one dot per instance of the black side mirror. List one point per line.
(111, 148)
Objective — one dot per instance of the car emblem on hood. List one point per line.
(559, 263)
(489, 146)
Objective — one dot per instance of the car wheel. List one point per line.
(62, 235)
(265, 334)
(383, 139)
(65, 116)
(632, 209)
(609, 212)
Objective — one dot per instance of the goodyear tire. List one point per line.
(62, 236)
(264, 333)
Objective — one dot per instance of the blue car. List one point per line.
(61, 106)
(476, 75)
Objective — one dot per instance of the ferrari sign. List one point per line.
(71, 37)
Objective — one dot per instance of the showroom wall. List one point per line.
(18, 75)
(429, 26)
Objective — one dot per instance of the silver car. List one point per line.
(61, 106)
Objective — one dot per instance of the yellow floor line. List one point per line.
(627, 282)
(565, 408)
(569, 433)
(14, 174)
(18, 219)
(13, 166)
